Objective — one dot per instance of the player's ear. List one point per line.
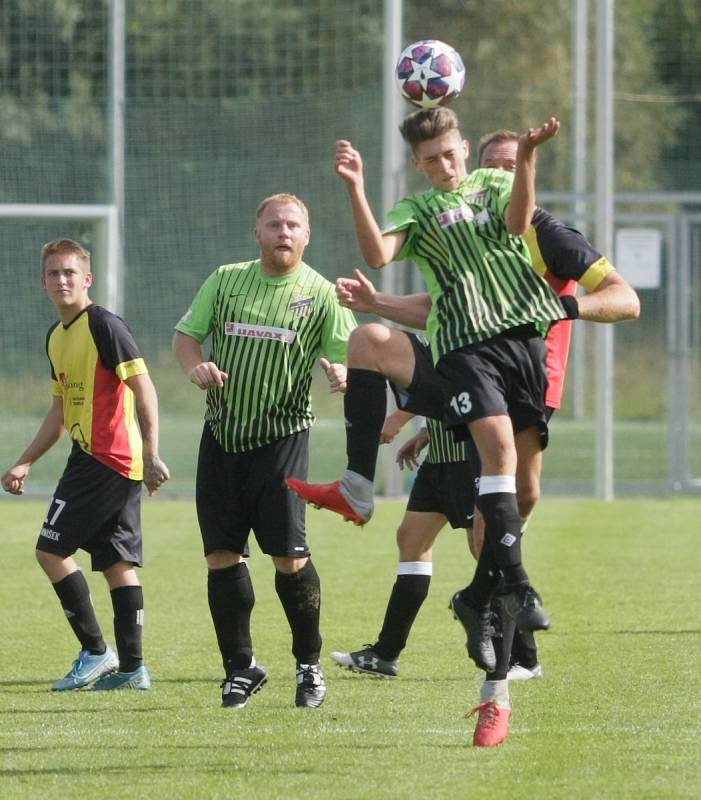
(466, 148)
(88, 280)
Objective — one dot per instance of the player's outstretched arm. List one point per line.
(50, 431)
(394, 424)
(613, 300)
(519, 212)
(156, 473)
(359, 294)
(205, 374)
(377, 248)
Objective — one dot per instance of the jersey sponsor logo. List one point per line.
(454, 215)
(66, 384)
(463, 214)
(302, 307)
(50, 533)
(260, 332)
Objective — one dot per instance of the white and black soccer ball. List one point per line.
(430, 73)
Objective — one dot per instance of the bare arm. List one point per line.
(409, 452)
(613, 300)
(205, 374)
(359, 294)
(156, 473)
(519, 212)
(394, 424)
(50, 431)
(377, 248)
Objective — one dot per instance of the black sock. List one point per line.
(74, 593)
(503, 532)
(231, 600)
(485, 579)
(524, 650)
(128, 605)
(408, 595)
(365, 409)
(300, 595)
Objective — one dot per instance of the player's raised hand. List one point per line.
(13, 480)
(537, 136)
(349, 164)
(357, 293)
(207, 375)
(335, 374)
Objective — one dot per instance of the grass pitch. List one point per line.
(617, 715)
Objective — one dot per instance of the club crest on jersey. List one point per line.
(478, 198)
(302, 307)
(283, 335)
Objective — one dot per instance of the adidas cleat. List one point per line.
(240, 684)
(138, 679)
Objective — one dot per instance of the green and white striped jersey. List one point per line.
(267, 334)
(479, 276)
(442, 447)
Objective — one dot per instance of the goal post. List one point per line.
(106, 263)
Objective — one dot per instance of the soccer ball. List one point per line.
(430, 73)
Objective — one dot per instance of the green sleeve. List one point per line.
(197, 321)
(402, 218)
(338, 326)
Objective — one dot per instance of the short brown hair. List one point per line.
(427, 124)
(282, 197)
(501, 135)
(65, 247)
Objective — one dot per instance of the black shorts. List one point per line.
(240, 492)
(96, 510)
(502, 376)
(423, 396)
(447, 489)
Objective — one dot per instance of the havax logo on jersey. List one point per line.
(302, 307)
(462, 214)
(283, 335)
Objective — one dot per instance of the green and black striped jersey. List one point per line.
(442, 447)
(267, 334)
(479, 276)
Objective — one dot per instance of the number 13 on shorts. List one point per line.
(461, 403)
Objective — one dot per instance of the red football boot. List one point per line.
(328, 496)
(492, 724)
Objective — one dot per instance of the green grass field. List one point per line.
(617, 715)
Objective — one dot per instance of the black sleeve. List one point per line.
(46, 345)
(566, 253)
(113, 339)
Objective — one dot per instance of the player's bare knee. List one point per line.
(221, 559)
(365, 345)
(527, 498)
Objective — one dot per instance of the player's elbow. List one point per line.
(634, 306)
